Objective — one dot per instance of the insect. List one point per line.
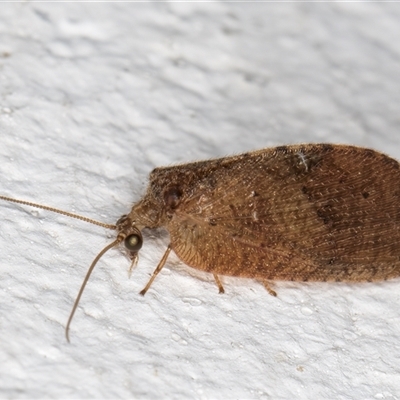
(312, 212)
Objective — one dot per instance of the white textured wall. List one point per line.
(93, 96)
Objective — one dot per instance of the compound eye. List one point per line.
(133, 242)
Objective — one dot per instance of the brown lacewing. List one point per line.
(312, 212)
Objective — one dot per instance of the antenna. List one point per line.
(91, 221)
(56, 210)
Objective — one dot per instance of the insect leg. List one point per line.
(267, 286)
(218, 281)
(157, 270)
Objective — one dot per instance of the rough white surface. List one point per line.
(93, 96)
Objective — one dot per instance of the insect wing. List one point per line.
(312, 212)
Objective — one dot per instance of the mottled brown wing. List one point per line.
(311, 212)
